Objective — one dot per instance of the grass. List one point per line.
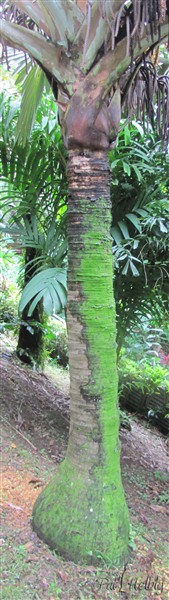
(17, 571)
(161, 476)
(54, 589)
(163, 498)
(13, 569)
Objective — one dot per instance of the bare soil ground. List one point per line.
(35, 425)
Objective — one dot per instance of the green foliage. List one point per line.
(33, 177)
(144, 343)
(56, 342)
(9, 297)
(145, 377)
(33, 191)
(49, 285)
(140, 229)
(50, 245)
(124, 420)
(132, 536)
(160, 475)
(130, 163)
(33, 87)
(9, 304)
(44, 283)
(163, 498)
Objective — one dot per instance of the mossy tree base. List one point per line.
(82, 518)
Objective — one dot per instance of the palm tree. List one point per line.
(29, 177)
(92, 55)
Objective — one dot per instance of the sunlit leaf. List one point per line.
(126, 167)
(32, 94)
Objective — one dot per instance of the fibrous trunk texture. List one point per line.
(30, 347)
(82, 513)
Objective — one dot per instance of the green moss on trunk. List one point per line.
(83, 518)
(82, 513)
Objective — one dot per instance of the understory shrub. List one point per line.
(56, 341)
(145, 377)
(144, 389)
(10, 292)
(9, 299)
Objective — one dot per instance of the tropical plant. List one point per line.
(144, 343)
(33, 192)
(140, 237)
(145, 377)
(56, 341)
(92, 55)
(9, 298)
(140, 229)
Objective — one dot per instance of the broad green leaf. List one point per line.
(48, 303)
(60, 290)
(124, 229)
(137, 172)
(134, 220)
(141, 211)
(134, 269)
(32, 93)
(126, 268)
(114, 163)
(34, 303)
(122, 256)
(116, 234)
(126, 135)
(40, 284)
(126, 167)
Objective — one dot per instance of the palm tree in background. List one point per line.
(95, 54)
(33, 192)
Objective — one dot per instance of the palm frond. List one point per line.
(113, 37)
(32, 94)
(49, 285)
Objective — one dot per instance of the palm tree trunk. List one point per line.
(30, 347)
(82, 512)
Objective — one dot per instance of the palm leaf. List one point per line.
(44, 52)
(49, 284)
(32, 94)
(134, 220)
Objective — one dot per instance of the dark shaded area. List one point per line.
(30, 345)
